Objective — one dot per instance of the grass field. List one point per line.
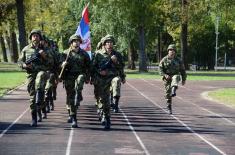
(195, 76)
(226, 96)
(10, 80)
(11, 76)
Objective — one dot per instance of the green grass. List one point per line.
(195, 76)
(226, 96)
(10, 80)
(10, 77)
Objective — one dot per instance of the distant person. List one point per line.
(172, 70)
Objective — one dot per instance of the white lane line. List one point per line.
(17, 119)
(181, 122)
(211, 112)
(136, 135)
(69, 142)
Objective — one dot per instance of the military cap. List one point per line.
(108, 37)
(35, 31)
(172, 47)
(75, 37)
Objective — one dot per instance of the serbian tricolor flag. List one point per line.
(84, 31)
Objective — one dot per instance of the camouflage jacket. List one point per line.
(172, 67)
(39, 64)
(78, 63)
(102, 57)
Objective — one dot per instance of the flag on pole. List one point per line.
(84, 31)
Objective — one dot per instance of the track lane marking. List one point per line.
(68, 149)
(211, 112)
(181, 122)
(13, 123)
(134, 132)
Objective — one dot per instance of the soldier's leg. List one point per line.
(79, 83)
(40, 87)
(31, 91)
(116, 92)
(104, 99)
(47, 95)
(70, 91)
(168, 97)
(53, 92)
(174, 84)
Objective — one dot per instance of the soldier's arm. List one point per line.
(88, 68)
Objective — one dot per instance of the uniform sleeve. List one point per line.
(121, 66)
(161, 68)
(21, 59)
(87, 67)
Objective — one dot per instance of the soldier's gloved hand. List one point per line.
(114, 59)
(167, 77)
(183, 83)
(103, 72)
(43, 54)
(63, 64)
(124, 81)
(29, 66)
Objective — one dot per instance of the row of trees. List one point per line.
(143, 28)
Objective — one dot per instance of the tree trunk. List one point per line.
(9, 47)
(142, 54)
(159, 54)
(184, 34)
(15, 54)
(4, 51)
(21, 23)
(131, 56)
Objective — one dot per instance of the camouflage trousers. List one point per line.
(50, 83)
(36, 82)
(73, 87)
(103, 89)
(115, 87)
(168, 86)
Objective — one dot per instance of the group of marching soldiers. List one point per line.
(46, 66)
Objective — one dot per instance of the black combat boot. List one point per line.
(39, 98)
(74, 121)
(116, 102)
(44, 113)
(70, 117)
(34, 119)
(39, 115)
(47, 98)
(52, 105)
(111, 100)
(54, 93)
(169, 106)
(173, 91)
(107, 123)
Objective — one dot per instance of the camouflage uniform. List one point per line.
(52, 74)
(174, 68)
(77, 72)
(36, 76)
(103, 62)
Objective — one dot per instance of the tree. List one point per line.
(21, 23)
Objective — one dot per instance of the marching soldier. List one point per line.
(75, 72)
(36, 62)
(172, 70)
(107, 65)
